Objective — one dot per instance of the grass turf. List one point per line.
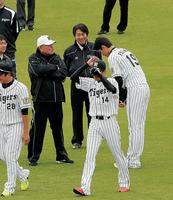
(149, 36)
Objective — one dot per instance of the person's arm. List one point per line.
(122, 91)
(61, 72)
(67, 61)
(15, 27)
(89, 63)
(75, 76)
(25, 120)
(38, 68)
(95, 71)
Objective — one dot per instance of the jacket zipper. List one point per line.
(84, 62)
(54, 90)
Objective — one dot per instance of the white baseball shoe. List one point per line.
(5, 193)
(115, 165)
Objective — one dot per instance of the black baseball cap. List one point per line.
(6, 66)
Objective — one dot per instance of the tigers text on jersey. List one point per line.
(12, 100)
(123, 63)
(102, 102)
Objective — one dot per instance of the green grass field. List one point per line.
(149, 36)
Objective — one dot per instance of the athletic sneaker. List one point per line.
(115, 165)
(24, 185)
(33, 164)
(120, 32)
(30, 28)
(134, 165)
(76, 146)
(64, 160)
(123, 189)
(5, 193)
(79, 191)
(102, 32)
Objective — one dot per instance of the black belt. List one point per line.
(101, 117)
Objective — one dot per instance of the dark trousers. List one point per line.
(78, 98)
(107, 12)
(23, 20)
(44, 111)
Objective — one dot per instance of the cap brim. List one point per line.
(50, 42)
(2, 70)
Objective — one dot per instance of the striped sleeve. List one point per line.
(23, 96)
(114, 65)
(84, 83)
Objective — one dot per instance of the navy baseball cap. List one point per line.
(101, 65)
(5, 66)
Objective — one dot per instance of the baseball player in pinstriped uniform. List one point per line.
(127, 71)
(104, 99)
(14, 106)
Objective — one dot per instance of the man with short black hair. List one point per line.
(103, 96)
(14, 104)
(75, 56)
(134, 94)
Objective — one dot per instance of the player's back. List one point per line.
(125, 64)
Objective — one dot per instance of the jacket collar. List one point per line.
(2, 8)
(81, 47)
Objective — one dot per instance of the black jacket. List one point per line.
(46, 75)
(74, 58)
(9, 27)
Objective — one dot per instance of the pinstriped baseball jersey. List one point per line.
(12, 100)
(103, 125)
(102, 102)
(123, 63)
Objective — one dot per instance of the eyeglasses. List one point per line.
(3, 43)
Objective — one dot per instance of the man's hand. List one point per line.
(25, 138)
(92, 60)
(122, 104)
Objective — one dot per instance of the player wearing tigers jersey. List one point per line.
(104, 99)
(127, 71)
(14, 106)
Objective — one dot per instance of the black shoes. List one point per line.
(76, 146)
(30, 28)
(64, 160)
(120, 32)
(22, 28)
(33, 164)
(102, 32)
